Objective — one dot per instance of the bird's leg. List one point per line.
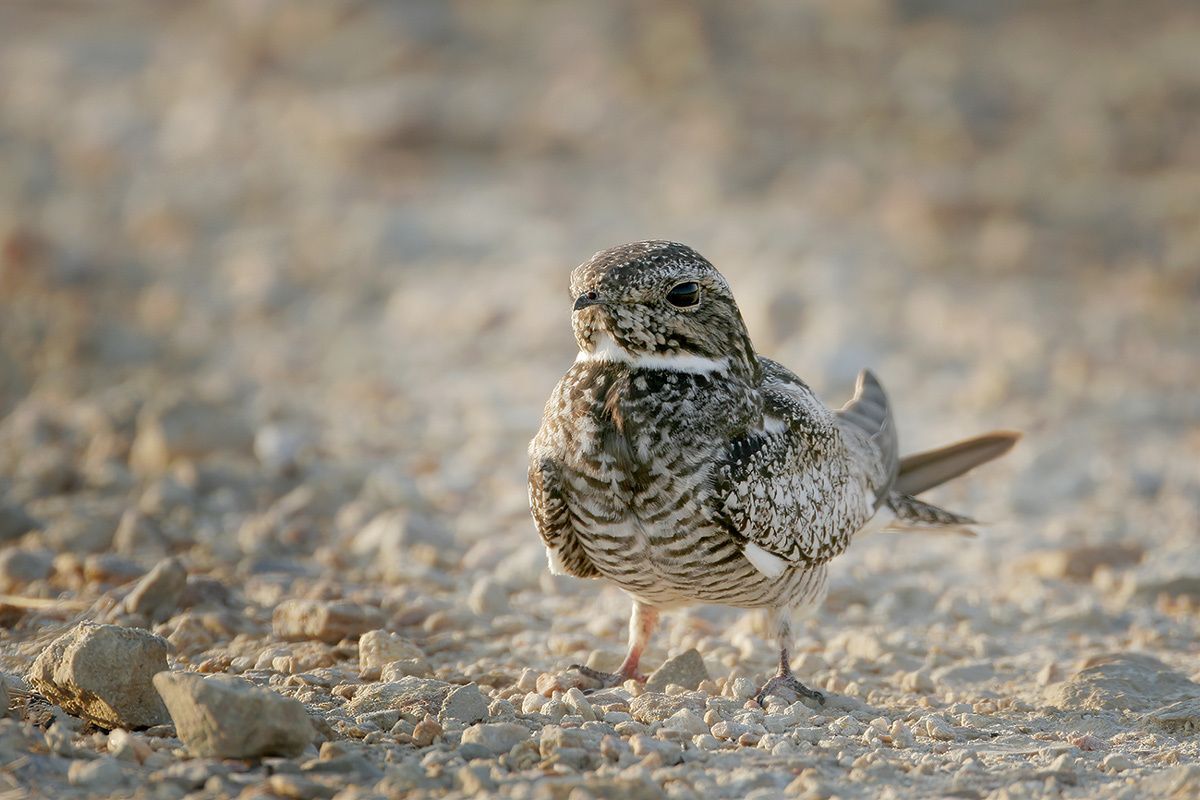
(785, 683)
(642, 623)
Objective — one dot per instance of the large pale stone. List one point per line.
(497, 737)
(686, 670)
(409, 695)
(103, 673)
(330, 622)
(156, 596)
(186, 429)
(1122, 681)
(223, 716)
(378, 647)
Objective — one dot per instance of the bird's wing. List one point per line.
(792, 489)
(552, 517)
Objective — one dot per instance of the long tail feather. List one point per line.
(923, 471)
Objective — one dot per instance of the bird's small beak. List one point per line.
(587, 299)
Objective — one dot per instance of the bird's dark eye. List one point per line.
(684, 295)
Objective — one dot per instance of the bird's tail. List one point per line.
(870, 413)
(923, 471)
(931, 468)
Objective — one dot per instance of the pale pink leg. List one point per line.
(642, 623)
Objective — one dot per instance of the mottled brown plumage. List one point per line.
(677, 463)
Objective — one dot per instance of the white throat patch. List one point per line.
(609, 351)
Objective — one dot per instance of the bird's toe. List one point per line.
(789, 688)
(606, 680)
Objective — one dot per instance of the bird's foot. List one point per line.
(607, 680)
(786, 686)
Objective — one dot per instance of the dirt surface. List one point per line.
(283, 290)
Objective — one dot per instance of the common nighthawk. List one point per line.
(676, 462)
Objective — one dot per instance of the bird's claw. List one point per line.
(607, 680)
(792, 685)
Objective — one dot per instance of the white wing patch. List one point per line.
(555, 561)
(773, 425)
(767, 563)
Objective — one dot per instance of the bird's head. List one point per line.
(658, 304)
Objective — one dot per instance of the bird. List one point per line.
(677, 463)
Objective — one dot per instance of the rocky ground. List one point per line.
(282, 291)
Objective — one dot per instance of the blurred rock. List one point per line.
(88, 530)
(166, 494)
(186, 429)
(129, 747)
(14, 523)
(386, 540)
(686, 669)
(497, 737)
(49, 471)
(138, 534)
(279, 447)
(1080, 563)
(300, 620)
(223, 716)
(465, 705)
(102, 776)
(1178, 718)
(1182, 587)
(378, 647)
(19, 567)
(405, 667)
(488, 597)
(103, 673)
(1122, 681)
(203, 592)
(156, 596)
(111, 568)
(655, 707)
(408, 695)
(1174, 783)
(964, 673)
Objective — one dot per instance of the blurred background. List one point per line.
(253, 248)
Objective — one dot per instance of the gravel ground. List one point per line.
(283, 289)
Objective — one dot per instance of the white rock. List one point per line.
(279, 447)
(379, 647)
(937, 728)
(578, 704)
(102, 776)
(466, 704)
(533, 702)
(498, 737)
(686, 721)
(1116, 762)
(741, 689)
